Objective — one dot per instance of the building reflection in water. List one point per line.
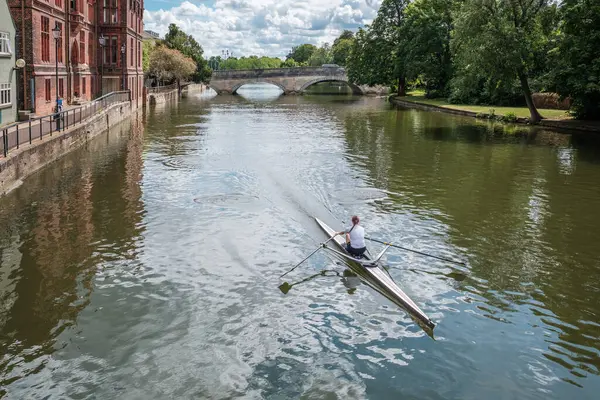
(65, 217)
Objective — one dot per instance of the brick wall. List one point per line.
(73, 69)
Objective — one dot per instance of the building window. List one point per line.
(139, 54)
(48, 90)
(131, 52)
(61, 85)
(58, 3)
(46, 39)
(82, 47)
(106, 52)
(110, 13)
(59, 43)
(4, 94)
(110, 51)
(5, 43)
(114, 49)
(77, 5)
(91, 49)
(83, 88)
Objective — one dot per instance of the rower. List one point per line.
(355, 238)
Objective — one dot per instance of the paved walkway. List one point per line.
(17, 134)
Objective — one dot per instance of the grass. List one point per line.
(417, 96)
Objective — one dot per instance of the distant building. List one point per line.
(151, 34)
(8, 80)
(98, 50)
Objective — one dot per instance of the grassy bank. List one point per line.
(521, 112)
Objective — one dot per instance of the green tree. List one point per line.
(251, 62)
(171, 65)
(147, 47)
(426, 44)
(346, 35)
(341, 48)
(376, 57)
(187, 45)
(289, 63)
(302, 53)
(499, 38)
(321, 56)
(214, 63)
(576, 69)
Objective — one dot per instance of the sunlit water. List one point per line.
(147, 264)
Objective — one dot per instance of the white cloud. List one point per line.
(262, 27)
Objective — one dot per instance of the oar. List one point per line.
(415, 251)
(285, 287)
(310, 255)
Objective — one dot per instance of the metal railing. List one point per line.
(19, 133)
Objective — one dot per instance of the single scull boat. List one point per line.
(376, 277)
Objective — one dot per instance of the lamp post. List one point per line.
(102, 41)
(56, 33)
(123, 64)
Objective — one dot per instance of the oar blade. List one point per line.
(285, 287)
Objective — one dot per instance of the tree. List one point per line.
(289, 63)
(251, 62)
(499, 38)
(147, 47)
(321, 56)
(346, 35)
(214, 63)
(576, 71)
(302, 53)
(187, 45)
(376, 57)
(426, 41)
(341, 48)
(171, 65)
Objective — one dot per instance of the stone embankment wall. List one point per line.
(194, 88)
(162, 96)
(22, 162)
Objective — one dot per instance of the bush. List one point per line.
(551, 101)
(586, 107)
(510, 117)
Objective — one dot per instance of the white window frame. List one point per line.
(5, 94)
(5, 48)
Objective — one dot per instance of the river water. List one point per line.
(147, 264)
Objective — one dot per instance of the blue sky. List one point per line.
(261, 27)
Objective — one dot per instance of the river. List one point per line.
(146, 264)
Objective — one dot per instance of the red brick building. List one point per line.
(86, 69)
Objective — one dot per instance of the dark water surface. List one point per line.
(147, 264)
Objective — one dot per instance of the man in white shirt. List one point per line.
(355, 238)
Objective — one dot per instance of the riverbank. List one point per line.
(30, 157)
(555, 119)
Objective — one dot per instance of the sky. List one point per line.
(259, 27)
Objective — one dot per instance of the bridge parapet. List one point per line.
(289, 80)
(278, 72)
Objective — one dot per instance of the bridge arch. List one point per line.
(355, 89)
(235, 88)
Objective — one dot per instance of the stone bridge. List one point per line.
(289, 80)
